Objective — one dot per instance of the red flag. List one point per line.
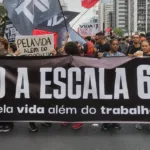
(108, 30)
(89, 3)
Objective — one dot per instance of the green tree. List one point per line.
(119, 32)
(2, 10)
(2, 20)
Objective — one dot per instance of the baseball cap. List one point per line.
(148, 35)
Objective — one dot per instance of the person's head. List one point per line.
(148, 37)
(119, 40)
(78, 45)
(88, 38)
(123, 40)
(114, 45)
(136, 39)
(3, 43)
(142, 35)
(71, 48)
(145, 47)
(99, 37)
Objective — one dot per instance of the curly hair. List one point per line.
(4, 42)
(71, 48)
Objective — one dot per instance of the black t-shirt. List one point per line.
(132, 49)
(103, 48)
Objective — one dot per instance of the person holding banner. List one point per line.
(81, 48)
(4, 47)
(145, 51)
(5, 126)
(135, 47)
(71, 48)
(101, 44)
(114, 47)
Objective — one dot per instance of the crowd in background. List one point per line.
(101, 46)
(98, 47)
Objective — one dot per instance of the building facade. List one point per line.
(120, 14)
(108, 9)
(132, 15)
(143, 15)
(105, 15)
(64, 5)
(89, 28)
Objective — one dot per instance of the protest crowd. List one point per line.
(95, 47)
(57, 40)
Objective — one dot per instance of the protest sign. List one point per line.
(88, 29)
(71, 89)
(40, 45)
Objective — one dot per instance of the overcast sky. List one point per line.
(75, 5)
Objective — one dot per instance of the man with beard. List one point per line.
(101, 44)
(135, 47)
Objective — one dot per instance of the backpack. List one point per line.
(90, 48)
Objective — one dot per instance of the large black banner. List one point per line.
(75, 89)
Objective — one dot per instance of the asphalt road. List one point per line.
(88, 138)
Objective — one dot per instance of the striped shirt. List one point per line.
(108, 54)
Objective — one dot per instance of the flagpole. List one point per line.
(81, 17)
(63, 15)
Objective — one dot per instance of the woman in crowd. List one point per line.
(72, 48)
(114, 47)
(5, 126)
(145, 51)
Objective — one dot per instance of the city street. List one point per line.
(88, 138)
(74, 60)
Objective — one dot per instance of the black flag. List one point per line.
(27, 14)
(57, 22)
(73, 36)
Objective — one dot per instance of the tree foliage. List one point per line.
(2, 10)
(119, 32)
(2, 20)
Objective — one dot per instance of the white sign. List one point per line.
(40, 45)
(89, 29)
